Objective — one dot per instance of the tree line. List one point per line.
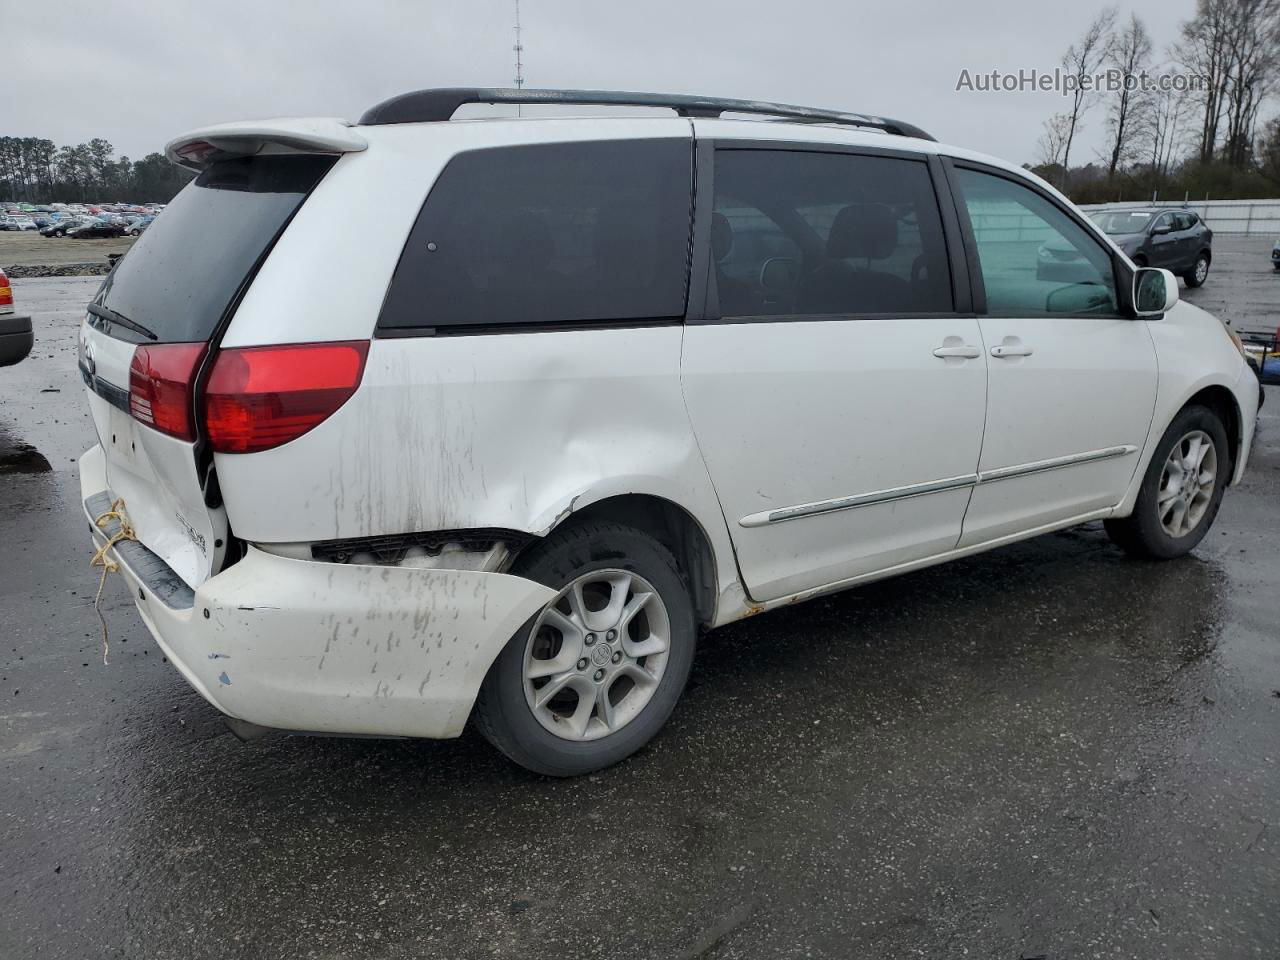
(1206, 137)
(36, 170)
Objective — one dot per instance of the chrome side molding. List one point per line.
(819, 507)
(1040, 466)
(861, 500)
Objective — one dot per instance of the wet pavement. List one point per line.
(1048, 750)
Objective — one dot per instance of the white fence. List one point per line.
(1246, 218)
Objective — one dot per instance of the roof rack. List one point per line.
(441, 103)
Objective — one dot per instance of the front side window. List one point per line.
(800, 233)
(1035, 259)
(549, 234)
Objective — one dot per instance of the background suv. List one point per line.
(1176, 240)
(590, 386)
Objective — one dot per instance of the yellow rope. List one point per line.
(108, 565)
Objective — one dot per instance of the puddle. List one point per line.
(22, 458)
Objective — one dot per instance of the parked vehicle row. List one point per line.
(605, 383)
(91, 228)
(58, 220)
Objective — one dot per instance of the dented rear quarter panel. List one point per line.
(512, 431)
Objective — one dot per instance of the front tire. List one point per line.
(1199, 272)
(1181, 490)
(592, 677)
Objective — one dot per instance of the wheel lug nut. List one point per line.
(582, 664)
(617, 658)
(611, 634)
(591, 639)
(599, 675)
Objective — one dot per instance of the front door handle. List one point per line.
(1011, 350)
(965, 351)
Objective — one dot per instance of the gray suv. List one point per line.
(1174, 239)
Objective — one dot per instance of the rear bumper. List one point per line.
(16, 339)
(326, 648)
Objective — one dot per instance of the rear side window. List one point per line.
(184, 270)
(549, 234)
(801, 233)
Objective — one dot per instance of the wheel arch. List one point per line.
(672, 525)
(1222, 401)
(1213, 394)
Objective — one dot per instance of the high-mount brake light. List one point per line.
(261, 397)
(160, 386)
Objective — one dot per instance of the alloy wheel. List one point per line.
(596, 654)
(1187, 483)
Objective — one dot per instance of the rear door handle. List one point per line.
(1011, 350)
(967, 352)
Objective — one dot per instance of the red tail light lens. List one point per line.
(160, 385)
(6, 294)
(260, 397)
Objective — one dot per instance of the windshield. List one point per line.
(183, 272)
(1122, 221)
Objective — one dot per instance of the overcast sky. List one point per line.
(138, 72)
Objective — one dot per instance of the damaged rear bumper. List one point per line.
(323, 647)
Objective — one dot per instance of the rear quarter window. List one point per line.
(565, 233)
(183, 272)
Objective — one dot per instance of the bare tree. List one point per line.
(1202, 52)
(1130, 54)
(1253, 58)
(1235, 46)
(1269, 151)
(1053, 140)
(1164, 130)
(1081, 64)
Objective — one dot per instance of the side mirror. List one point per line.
(1162, 229)
(1155, 292)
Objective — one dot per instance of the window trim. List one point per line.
(381, 332)
(704, 199)
(1121, 271)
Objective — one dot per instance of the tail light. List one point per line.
(261, 397)
(6, 294)
(160, 386)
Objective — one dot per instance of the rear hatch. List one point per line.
(150, 335)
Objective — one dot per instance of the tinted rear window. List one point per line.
(846, 234)
(549, 233)
(181, 274)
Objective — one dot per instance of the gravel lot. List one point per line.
(28, 247)
(1045, 751)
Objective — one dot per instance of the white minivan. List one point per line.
(420, 421)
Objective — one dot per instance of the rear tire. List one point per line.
(1199, 272)
(612, 568)
(1174, 510)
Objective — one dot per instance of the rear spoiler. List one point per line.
(196, 149)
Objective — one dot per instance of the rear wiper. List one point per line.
(106, 313)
